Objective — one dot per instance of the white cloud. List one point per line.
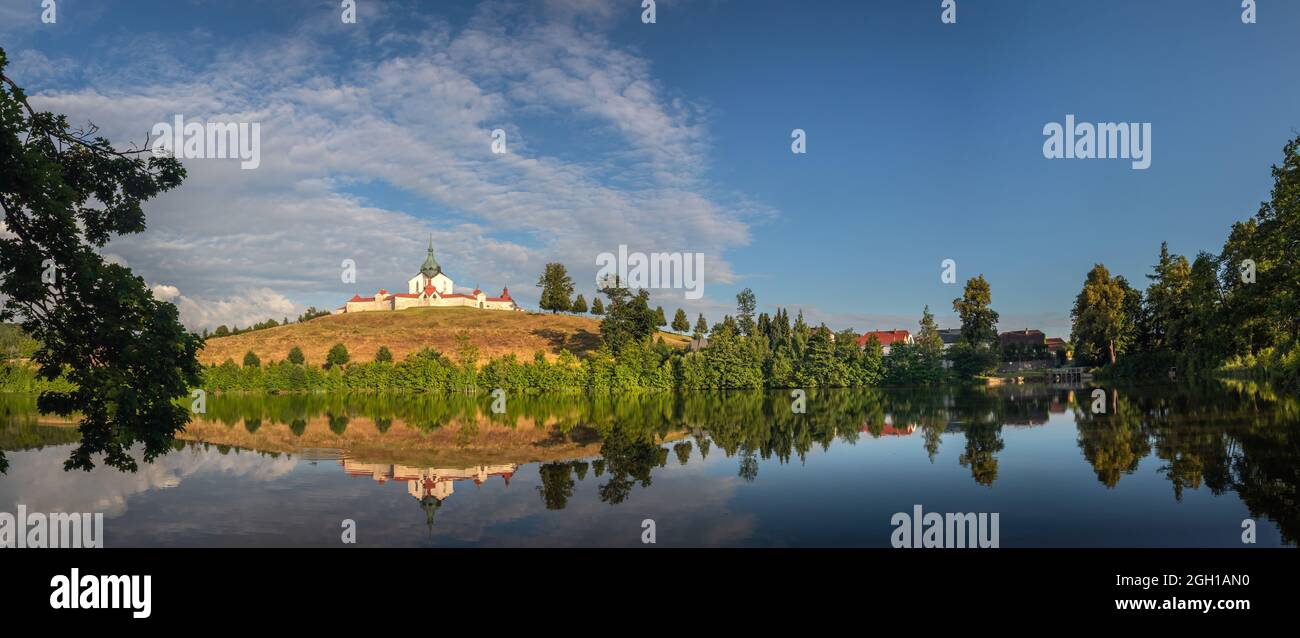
(243, 309)
(418, 124)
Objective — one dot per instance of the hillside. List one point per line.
(407, 331)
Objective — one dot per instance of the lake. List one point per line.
(1164, 466)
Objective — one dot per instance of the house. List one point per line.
(886, 338)
(1055, 344)
(950, 337)
(1026, 337)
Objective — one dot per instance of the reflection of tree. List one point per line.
(557, 484)
(748, 467)
(338, 424)
(983, 441)
(683, 452)
(1113, 443)
(629, 462)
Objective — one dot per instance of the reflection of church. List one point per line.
(890, 429)
(429, 486)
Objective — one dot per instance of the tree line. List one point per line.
(1237, 311)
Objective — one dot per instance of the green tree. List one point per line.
(597, 306)
(979, 322)
(745, 305)
(557, 288)
(1168, 303)
(384, 355)
(221, 331)
(660, 318)
(65, 193)
(701, 327)
(295, 356)
(338, 355)
(579, 304)
(680, 323)
(928, 341)
(628, 319)
(251, 360)
(1103, 317)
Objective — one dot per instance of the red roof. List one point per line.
(885, 337)
(428, 289)
(407, 295)
(360, 298)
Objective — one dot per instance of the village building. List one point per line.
(887, 338)
(950, 337)
(430, 288)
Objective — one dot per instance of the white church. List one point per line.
(430, 288)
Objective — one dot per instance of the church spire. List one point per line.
(430, 268)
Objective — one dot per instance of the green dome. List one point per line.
(430, 268)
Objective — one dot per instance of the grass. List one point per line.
(495, 333)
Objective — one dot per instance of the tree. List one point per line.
(1103, 319)
(295, 356)
(979, 322)
(311, 313)
(745, 304)
(221, 331)
(628, 319)
(660, 319)
(680, 323)
(251, 360)
(384, 355)
(597, 306)
(928, 341)
(579, 304)
(1167, 302)
(338, 355)
(65, 193)
(701, 327)
(557, 288)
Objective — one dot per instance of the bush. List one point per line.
(338, 355)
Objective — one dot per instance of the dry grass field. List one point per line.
(406, 331)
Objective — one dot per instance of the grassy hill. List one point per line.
(406, 331)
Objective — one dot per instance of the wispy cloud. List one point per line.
(365, 155)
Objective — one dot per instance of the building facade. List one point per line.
(430, 288)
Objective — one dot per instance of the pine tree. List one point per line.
(557, 288)
(680, 323)
(701, 327)
(579, 305)
(597, 306)
(660, 319)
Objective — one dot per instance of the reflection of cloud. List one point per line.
(36, 478)
(689, 506)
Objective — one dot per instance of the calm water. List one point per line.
(1164, 467)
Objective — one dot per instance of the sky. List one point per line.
(924, 143)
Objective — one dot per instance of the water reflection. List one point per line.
(1234, 446)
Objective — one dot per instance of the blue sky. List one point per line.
(924, 142)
